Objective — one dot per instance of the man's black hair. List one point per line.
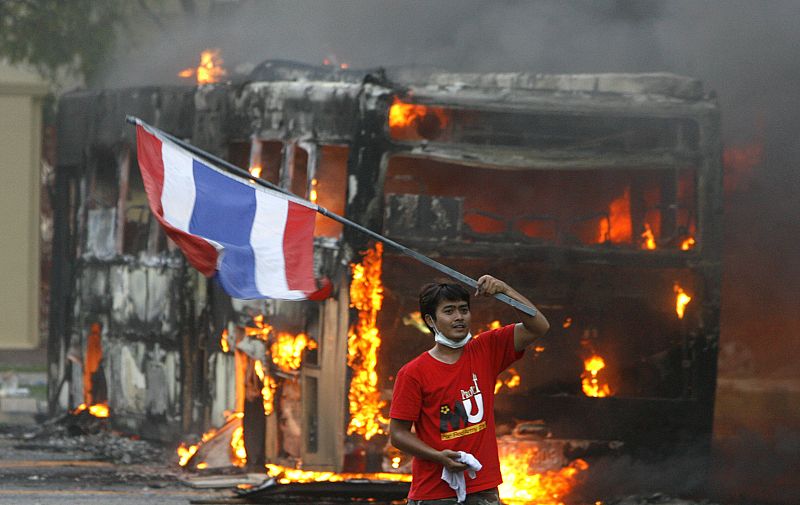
(432, 294)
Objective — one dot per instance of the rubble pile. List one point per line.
(62, 434)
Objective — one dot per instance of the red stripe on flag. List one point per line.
(199, 253)
(298, 248)
(151, 165)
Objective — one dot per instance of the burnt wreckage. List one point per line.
(598, 196)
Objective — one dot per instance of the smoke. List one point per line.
(743, 50)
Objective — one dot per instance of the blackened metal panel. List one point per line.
(324, 111)
(366, 166)
(60, 282)
(209, 128)
(435, 217)
(97, 118)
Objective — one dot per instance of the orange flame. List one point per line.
(548, 488)
(287, 350)
(617, 228)
(404, 114)
(255, 170)
(268, 391)
(223, 341)
(687, 244)
(681, 300)
(238, 452)
(91, 362)
(99, 410)
(405, 118)
(261, 330)
(363, 341)
(495, 324)
(521, 486)
(649, 239)
(511, 381)
(591, 384)
(286, 475)
(414, 319)
(312, 194)
(209, 70)
(186, 453)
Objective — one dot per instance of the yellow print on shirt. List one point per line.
(475, 428)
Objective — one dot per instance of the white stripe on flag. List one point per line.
(178, 194)
(266, 238)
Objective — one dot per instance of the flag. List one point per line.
(258, 242)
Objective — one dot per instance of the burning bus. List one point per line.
(598, 196)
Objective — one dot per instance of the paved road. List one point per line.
(46, 477)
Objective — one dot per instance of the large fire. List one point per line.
(592, 386)
(521, 486)
(363, 342)
(209, 70)
(286, 353)
(287, 350)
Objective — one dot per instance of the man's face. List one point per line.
(453, 319)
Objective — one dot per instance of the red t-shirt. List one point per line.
(452, 407)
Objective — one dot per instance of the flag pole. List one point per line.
(469, 281)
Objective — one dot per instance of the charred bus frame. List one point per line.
(552, 150)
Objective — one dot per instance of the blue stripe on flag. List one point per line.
(224, 210)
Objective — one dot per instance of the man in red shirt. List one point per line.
(447, 393)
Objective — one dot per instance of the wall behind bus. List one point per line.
(20, 157)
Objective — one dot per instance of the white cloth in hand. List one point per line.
(456, 479)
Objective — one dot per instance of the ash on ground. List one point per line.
(71, 433)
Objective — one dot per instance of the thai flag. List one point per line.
(257, 241)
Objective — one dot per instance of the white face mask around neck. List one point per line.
(441, 339)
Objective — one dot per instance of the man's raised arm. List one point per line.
(530, 327)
